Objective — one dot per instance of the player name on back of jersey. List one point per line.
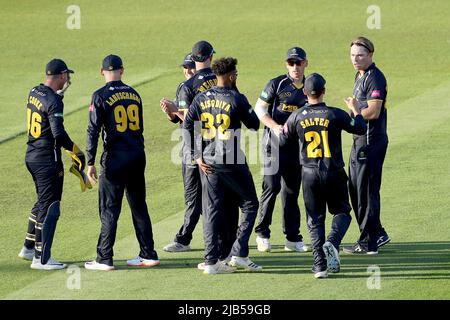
(217, 104)
(314, 122)
(208, 84)
(35, 102)
(122, 96)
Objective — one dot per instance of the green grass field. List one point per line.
(412, 49)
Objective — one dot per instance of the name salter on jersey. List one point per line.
(221, 111)
(372, 86)
(318, 129)
(45, 124)
(116, 111)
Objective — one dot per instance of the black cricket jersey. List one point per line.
(372, 86)
(116, 111)
(283, 97)
(177, 98)
(216, 116)
(317, 128)
(203, 80)
(45, 126)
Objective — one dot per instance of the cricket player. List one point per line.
(203, 79)
(317, 129)
(281, 96)
(214, 119)
(169, 107)
(46, 136)
(369, 149)
(116, 112)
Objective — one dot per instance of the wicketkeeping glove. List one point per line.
(78, 159)
(84, 181)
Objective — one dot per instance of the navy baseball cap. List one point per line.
(314, 83)
(188, 62)
(112, 62)
(202, 50)
(56, 66)
(296, 53)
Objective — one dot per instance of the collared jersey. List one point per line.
(372, 86)
(317, 128)
(216, 115)
(116, 111)
(283, 97)
(45, 126)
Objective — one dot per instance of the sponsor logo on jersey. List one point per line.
(264, 95)
(376, 94)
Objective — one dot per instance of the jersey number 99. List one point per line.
(127, 117)
(34, 120)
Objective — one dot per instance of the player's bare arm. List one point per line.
(261, 110)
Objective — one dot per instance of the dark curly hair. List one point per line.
(224, 65)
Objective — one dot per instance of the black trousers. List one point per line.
(321, 189)
(365, 169)
(48, 180)
(193, 203)
(238, 182)
(287, 179)
(123, 171)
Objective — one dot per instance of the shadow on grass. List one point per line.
(408, 260)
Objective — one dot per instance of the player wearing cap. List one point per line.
(202, 54)
(46, 136)
(368, 150)
(169, 107)
(116, 111)
(214, 119)
(317, 129)
(281, 96)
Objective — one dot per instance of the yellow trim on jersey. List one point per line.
(375, 100)
(301, 86)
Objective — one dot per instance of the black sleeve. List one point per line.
(355, 125)
(247, 114)
(376, 87)
(56, 119)
(94, 127)
(193, 130)
(269, 93)
(184, 97)
(290, 133)
(177, 98)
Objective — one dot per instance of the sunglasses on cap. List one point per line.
(294, 62)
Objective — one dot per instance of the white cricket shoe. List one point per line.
(217, 268)
(263, 244)
(244, 263)
(50, 265)
(332, 256)
(141, 262)
(26, 254)
(297, 246)
(321, 274)
(201, 265)
(94, 265)
(176, 247)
